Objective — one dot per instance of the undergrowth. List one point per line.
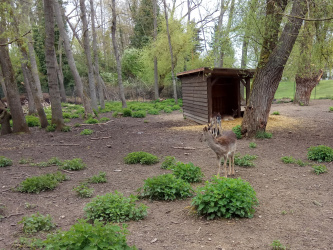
(320, 153)
(187, 172)
(141, 157)
(5, 162)
(36, 223)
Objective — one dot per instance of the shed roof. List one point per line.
(231, 72)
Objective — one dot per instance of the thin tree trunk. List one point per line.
(77, 79)
(50, 59)
(86, 44)
(116, 53)
(269, 74)
(218, 36)
(3, 85)
(155, 58)
(99, 84)
(60, 73)
(31, 103)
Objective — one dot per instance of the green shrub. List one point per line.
(83, 190)
(175, 107)
(86, 132)
(331, 108)
(276, 113)
(91, 121)
(4, 161)
(32, 121)
(141, 157)
(127, 112)
(165, 187)
(301, 163)
(277, 245)
(139, 114)
(320, 153)
(115, 114)
(67, 120)
(74, 116)
(24, 161)
(100, 178)
(225, 197)
(238, 131)
(169, 162)
(36, 223)
(53, 161)
(73, 165)
(167, 110)
(153, 112)
(66, 129)
(66, 115)
(263, 135)
(76, 125)
(114, 207)
(83, 235)
(104, 119)
(37, 184)
(252, 145)
(288, 159)
(51, 128)
(187, 172)
(320, 169)
(245, 161)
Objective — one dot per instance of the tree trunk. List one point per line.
(31, 103)
(155, 58)
(86, 44)
(2, 81)
(50, 59)
(116, 53)
(70, 58)
(171, 55)
(60, 73)
(217, 37)
(269, 75)
(5, 118)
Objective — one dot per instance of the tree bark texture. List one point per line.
(2, 81)
(60, 73)
(268, 76)
(5, 118)
(31, 103)
(155, 58)
(50, 59)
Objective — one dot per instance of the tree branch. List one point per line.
(5, 44)
(306, 19)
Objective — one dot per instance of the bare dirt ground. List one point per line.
(296, 206)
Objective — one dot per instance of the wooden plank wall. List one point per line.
(195, 101)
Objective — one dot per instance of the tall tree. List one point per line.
(155, 57)
(26, 83)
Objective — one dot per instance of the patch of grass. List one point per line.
(141, 157)
(187, 172)
(320, 169)
(165, 187)
(91, 121)
(36, 223)
(153, 111)
(331, 109)
(73, 165)
(225, 197)
(139, 114)
(252, 145)
(76, 125)
(104, 119)
(245, 161)
(127, 112)
(51, 128)
(263, 135)
(167, 110)
(84, 191)
(115, 114)
(67, 120)
(66, 115)
(175, 107)
(100, 178)
(238, 131)
(66, 129)
(320, 153)
(288, 159)
(277, 245)
(276, 113)
(5, 162)
(25, 160)
(53, 161)
(169, 162)
(32, 121)
(114, 207)
(86, 132)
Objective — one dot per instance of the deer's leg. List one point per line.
(225, 166)
(219, 164)
(229, 173)
(233, 164)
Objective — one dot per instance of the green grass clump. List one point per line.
(238, 131)
(187, 172)
(66, 115)
(127, 112)
(53, 161)
(115, 114)
(32, 121)
(225, 197)
(245, 161)
(37, 184)
(276, 113)
(25, 161)
(288, 159)
(86, 132)
(277, 245)
(320, 153)
(320, 169)
(73, 165)
(165, 187)
(139, 114)
(100, 178)
(104, 119)
(74, 116)
(169, 162)
(252, 145)
(141, 157)
(51, 128)
(36, 223)
(153, 111)
(167, 110)
(331, 109)
(114, 207)
(175, 107)
(263, 135)
(4, 161)
(84, 191)
(84, 235)
(66, 129)
(67, 120)
(91, 121)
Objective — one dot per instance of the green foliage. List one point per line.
(4, 161)
(165, 187)
(252, 145)
(115, 207)
(139, 114)
(153, 111)
(83, 190)
(67, 120)
(187, 172)
(100, 178)
(66, 115)
(37, 184)
(320, 169)
(83, 235)
(51, 128)
(320, 153)
(32, 121)
(175, 107)
(169, 162)
(141, 157)
(53, 161)
(331, 109)
(127, 112)
(277, 245)
(263, 135)
(288, 159)
(91, 121)
(66, 129)
(238, 131)
(115, 114)
(76, 125)
(276, 113)
(244, 161)
(167, 110)
(86, 132)
(36, 223)
(225, 197)
(25, 161)
(104, 119)
(73, 165)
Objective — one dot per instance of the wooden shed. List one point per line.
(208, 91)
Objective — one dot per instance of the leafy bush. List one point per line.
(91, 121)
(263, 135)
(67, 120)
(276, 113)
(51, 128)
(74, 116)
(288, 159)
(83, 190)
(169, 162)
(165, 187)
(175, 107)
(115, 207)
(83, 235)
(277, 245)
(37, 184)
(187, 172)
(66, 115)
(66, 129)
(252, 145)
(167, 110)
(320, 169)
(127, 112)
(76, 125)
(74, 164)
(100, 178)
(153, 112)
(320, 153)
(104, 119)
(53, 161)
(245, 161)
(24, 161)
(225, 197)
(86, 132)
(331, 109)
(141, 157)
(4, 161)
(139, 114)
(36, 223)
(32, 121)
(238, 131)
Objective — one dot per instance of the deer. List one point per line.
(215, 124)
(224, 147)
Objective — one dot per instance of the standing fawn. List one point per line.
(224, 147)
(215, 125)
